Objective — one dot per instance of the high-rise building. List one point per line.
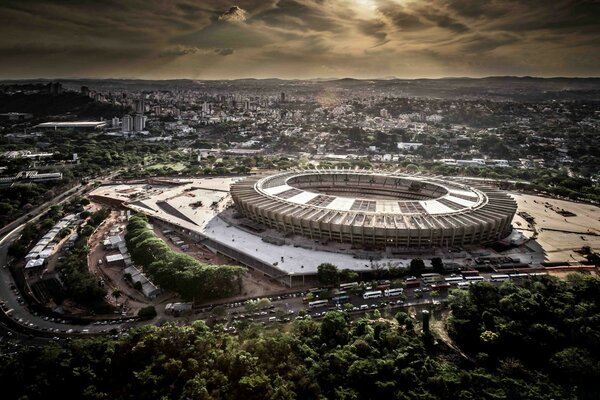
(205, 107)
(85, 90)
(383, 113)
(139, 123)
(140, 107)
(282, 97)
(54, 88)
(127, 123)
(115, 122)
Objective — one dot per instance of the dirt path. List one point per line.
(438, 327)
(131, 299)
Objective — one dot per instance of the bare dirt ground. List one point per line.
(560, 234)
(130, 299)
(563, 274)
(438, 326)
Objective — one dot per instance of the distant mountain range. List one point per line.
(493, 87)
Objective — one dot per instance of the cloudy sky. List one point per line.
(210, 39)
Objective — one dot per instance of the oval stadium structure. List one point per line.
(376, 209)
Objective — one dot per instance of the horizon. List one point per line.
(324, 79)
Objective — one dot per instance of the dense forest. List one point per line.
(71, 103)
(372, 357)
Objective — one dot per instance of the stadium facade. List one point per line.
(374, 209)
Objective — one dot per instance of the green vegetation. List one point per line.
(42, 104)
(331, 359)
(545, 325)
(148, 312)
(328, 274)
(98, 154)
(80, 285)
(417, 266)
(176, 271)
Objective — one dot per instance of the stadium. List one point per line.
(373, 209)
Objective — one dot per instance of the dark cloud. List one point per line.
(300, 15)
(445, 21)
(225, 35)
(224, 52)
(157, 38)
(374, 28)
(177, 51)
(483, 43)
(401, 17)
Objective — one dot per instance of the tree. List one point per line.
(146, 313)
(218, 311)
(438, 265)
(334, 329)
(417, 266)
(328, 274)
(347, 275)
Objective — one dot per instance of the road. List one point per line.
(38, 211)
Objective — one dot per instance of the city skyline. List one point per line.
(303, 39)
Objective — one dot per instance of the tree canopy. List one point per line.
(176, 271)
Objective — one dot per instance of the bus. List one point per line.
(374, 294)
(533, 274)
(349, 285)
(475, 278)
(499, 277)
(412, 284)
(393, 292)
(453, 280)
(440, 286)
(464, 285)
(431, 278)
(317, 304)
(340, 299)
(518, 276)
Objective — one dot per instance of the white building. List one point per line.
(409, 146)
(127, 123)
(139, 123)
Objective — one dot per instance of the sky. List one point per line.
(210, 39)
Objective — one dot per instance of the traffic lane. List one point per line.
(291, 307)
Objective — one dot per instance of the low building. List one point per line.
(113, 242)
(15, 116)
(115, 259)
(39, 262)
(177, 309)
(148, 288)
(409, 146)
(84, 125)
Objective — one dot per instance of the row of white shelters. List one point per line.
(44, 248)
